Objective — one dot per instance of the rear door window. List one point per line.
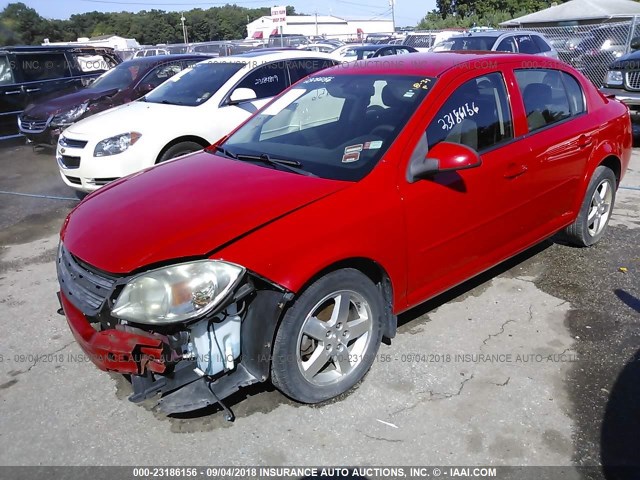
(540, 43)
(507, 45)
(545, 97)
(267, 81)
(298, 69)
(37, 67)
(526, 45)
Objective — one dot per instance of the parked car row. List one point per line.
(28, 74)
(285, 251)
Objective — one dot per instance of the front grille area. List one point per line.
(70, 162)
(633, 80)
(32, 125)
(71, 143)
(83, 286)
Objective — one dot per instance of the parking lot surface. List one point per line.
(536, 362)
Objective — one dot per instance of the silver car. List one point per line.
(519, 41)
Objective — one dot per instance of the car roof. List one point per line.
(52, 48)
(157, 59)
(495, 33)
(377, 46)
(272, 55)
(430, 64)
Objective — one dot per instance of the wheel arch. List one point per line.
(614, 163)
(378, 275)
(185, 138)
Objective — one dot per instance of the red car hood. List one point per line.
(181, 209)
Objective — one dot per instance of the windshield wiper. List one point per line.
(226, 152)
(291, 165)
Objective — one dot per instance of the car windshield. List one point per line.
(119, 77)
(196, 85)
(468, 43)
(335, 127)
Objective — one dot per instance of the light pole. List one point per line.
(393, 14)
(184, 28)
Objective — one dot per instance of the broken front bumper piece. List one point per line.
(184, 383)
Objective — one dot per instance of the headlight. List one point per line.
(614, 77)
(116, 145)
(177, 293)
(70, 116)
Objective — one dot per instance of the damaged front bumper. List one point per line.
(189, 366)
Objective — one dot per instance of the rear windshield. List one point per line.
(468, 43)
(196, 85)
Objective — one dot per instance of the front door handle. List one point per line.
(515, 170)
(13, 92)
(584, 141)
(29, 90)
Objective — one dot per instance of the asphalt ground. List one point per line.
(536, 362)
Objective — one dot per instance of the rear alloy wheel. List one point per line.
(596, 209)
(179, 149)
(328, 339)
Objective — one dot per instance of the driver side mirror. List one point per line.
(444, 157)
(240, 95)
(635, 43)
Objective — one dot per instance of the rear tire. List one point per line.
(595, 212)
(178, 150)
(328, 339)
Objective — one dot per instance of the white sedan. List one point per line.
(190, 111)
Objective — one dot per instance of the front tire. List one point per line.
(328, 339)
(596, 209)
(178, 150)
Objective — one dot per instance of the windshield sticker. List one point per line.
(425, 84)
(319, 80)
(457, 115)
(351, 157)
(353, 148)
(373, 145)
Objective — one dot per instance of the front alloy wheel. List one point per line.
(328, 339)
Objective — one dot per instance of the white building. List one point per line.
(310, 25)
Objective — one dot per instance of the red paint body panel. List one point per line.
(428, 235)
(114, 350)
(184, 208)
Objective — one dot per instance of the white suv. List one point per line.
(188, 112)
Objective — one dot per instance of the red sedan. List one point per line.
(286, 250)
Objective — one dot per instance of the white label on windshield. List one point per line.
(319, 80)
(283, 102)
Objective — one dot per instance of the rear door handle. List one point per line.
(13, 92)
(515, 170)
(29, 90)
(584, 141)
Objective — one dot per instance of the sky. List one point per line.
(407, 12)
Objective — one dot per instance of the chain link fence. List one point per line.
(592, 48)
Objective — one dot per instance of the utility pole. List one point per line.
(316, 23)
(393, 14)
(184, 28)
